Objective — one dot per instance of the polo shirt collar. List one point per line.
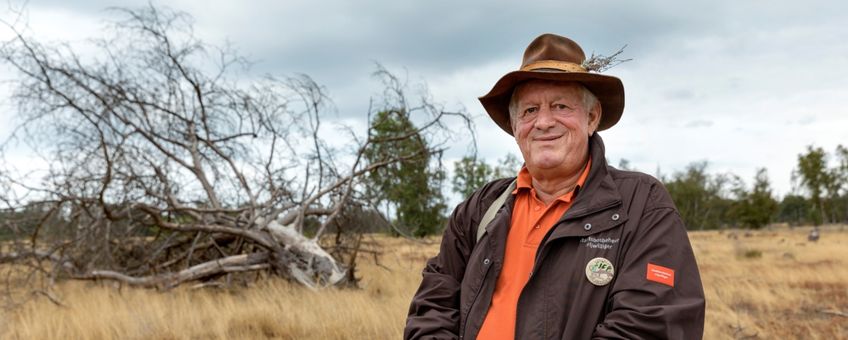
(525, 182)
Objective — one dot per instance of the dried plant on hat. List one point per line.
(600, 63)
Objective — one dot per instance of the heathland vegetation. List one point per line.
(766, 284)
(179, 200)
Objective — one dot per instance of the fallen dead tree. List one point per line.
(162, 168)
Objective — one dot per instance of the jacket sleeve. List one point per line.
(434, 311)
(646, 303)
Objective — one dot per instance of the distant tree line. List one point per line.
(711, 201)
(705, 200)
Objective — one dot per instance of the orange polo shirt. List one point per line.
(531, 221)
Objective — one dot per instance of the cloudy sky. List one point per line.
(742, 84)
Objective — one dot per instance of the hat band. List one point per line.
(554, 64)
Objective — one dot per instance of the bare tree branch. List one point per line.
(165, 167)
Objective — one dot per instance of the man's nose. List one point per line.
(545, 119)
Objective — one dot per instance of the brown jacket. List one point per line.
(625, 217)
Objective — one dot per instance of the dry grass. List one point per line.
(769, 284)
(774, 284)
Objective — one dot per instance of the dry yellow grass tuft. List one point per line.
(762, 284)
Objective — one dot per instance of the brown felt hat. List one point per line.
(554, 57)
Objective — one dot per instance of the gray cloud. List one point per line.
(738, 63)
(679, 94)
(698, 124)
(806, 120)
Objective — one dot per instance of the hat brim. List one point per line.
(609, 91)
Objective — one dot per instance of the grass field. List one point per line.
(769, 284)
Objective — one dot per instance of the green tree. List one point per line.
(469, 175)
(698, 196)
(507, 166)
(814, 176)
(839, 191)
(413, 186)
(842, 166)
(794, 209)
(755, 208)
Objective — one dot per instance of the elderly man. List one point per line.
(571, 248)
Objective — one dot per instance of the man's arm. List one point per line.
(434, 311)
(658, 292)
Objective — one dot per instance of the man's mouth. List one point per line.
(547, 138)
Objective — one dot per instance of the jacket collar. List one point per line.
(599, 192)
(598, 204)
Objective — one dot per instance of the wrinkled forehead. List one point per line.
(550, 87)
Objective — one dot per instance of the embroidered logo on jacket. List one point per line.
(661, 274)
(599, 243)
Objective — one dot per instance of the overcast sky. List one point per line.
(742, 84)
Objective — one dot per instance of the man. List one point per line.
(573, 249)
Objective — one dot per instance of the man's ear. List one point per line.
(595, 117)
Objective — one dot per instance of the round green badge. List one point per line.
(599, 271)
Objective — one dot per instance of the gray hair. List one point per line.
(589, 99)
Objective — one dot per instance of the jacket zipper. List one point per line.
(474, 301)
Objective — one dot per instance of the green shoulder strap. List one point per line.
(493, 209)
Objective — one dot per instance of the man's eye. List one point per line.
(530, 110)
(560, 106)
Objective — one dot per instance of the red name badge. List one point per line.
(661, 274)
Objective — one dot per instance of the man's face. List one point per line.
(552, 125)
